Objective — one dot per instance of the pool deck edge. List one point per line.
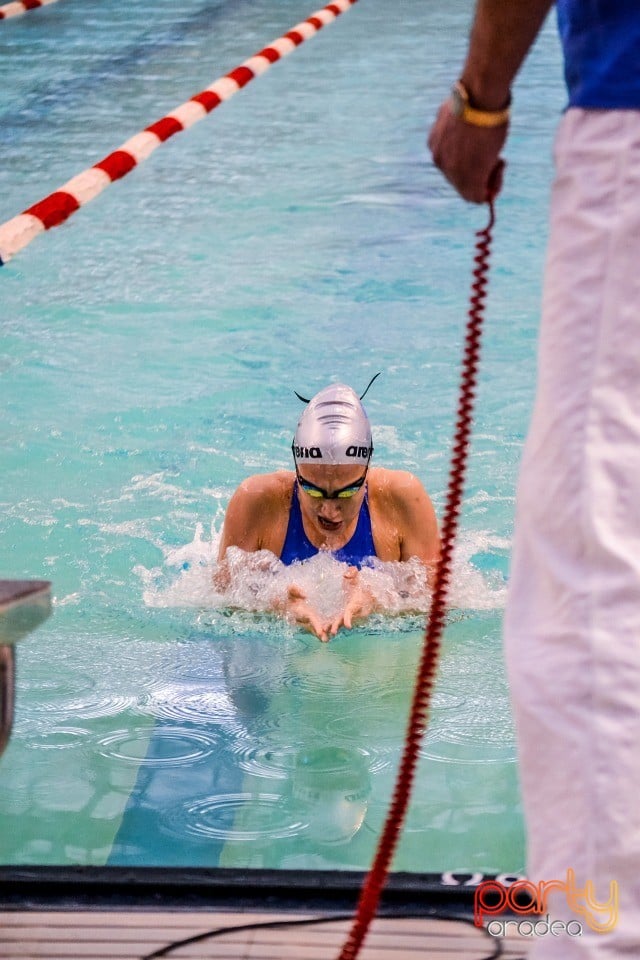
(65, 888)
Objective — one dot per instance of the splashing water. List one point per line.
(259, 579)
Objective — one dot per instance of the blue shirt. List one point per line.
(601, 42)
(297, 545)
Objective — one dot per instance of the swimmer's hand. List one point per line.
(359, 602)
(297, 608)
(222, 576)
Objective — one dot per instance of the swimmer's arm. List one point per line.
(417, 524)
(248, 512)
(242, 522)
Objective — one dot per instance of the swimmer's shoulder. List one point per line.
(266, 489)
(393, 489)
(263, 499)
(402, 507)
(258, 512)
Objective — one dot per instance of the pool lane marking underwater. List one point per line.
(376, 878)
(18, 7)
(17, 233)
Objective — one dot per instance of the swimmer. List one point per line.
(332, 501)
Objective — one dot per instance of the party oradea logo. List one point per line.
(524, 898)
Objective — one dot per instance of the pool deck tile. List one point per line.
(133, 935)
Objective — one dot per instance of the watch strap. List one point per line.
(478, 118)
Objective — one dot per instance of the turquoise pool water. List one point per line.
(149, 352)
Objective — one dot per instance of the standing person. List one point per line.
(572, 625)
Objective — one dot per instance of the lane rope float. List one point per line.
(18, 7)
(421, 703)
(17, 233)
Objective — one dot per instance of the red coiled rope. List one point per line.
(420, 707)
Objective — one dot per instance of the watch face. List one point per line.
(457, 103)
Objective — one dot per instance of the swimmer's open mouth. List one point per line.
(329, 524)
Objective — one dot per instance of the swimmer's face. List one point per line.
(331, 515)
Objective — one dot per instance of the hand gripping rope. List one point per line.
(58, 206)
(421, 704)
(18, 7)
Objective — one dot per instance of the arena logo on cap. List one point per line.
(307, 453)
(355, 451)
(492, 898)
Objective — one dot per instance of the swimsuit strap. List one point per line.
(297, 545)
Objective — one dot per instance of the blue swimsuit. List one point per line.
(297, 545)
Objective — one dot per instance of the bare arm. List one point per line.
(244, 518)
(502, 34)
(251, 517)
(419, 527)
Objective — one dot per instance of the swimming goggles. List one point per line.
(318, 493)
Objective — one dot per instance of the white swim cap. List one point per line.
(333, 429)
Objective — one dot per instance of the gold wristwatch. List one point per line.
(460, 107)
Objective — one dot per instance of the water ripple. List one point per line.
(188, 706)
(444, 699)
(170, 747)
(382, 720)
(275, 762)
(83, 708)
(41, 683)
(58, 738)
(280, 761)
(471, 739)
(335, 680)
(262, 816)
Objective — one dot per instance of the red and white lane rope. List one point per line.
(18, 7)
(16, 233)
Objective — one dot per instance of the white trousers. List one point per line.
(572, 626)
